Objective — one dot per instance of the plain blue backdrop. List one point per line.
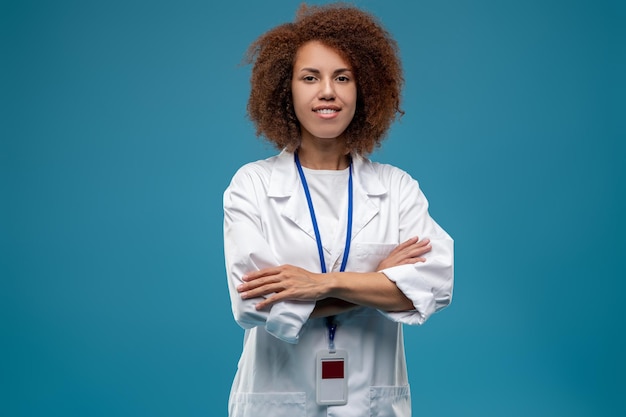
(122, 123)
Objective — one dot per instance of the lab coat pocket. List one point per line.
(275, 404)
(390, 401)
(369, 254)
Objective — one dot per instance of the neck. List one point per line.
(323, 157)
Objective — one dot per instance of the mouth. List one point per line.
(326, 111)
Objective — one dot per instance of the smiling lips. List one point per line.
(327, 110)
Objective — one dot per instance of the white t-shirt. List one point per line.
(329, 193)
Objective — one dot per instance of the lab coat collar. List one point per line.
(285, 183)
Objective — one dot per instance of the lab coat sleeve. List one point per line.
(427, 284)
(246, 250)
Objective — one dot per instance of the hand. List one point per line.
(408, 252)
(286, 282)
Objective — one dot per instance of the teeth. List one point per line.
(326, 111)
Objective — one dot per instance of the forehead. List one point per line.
(317, 54)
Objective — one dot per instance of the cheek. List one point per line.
(298, 99)
(351, 102)
(298, 109)
(354, 96)
(349, 97)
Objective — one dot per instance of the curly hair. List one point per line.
(359, 39)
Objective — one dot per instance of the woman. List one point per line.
(328, 253)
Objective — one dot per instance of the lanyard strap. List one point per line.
(316, 229)
(330, 322)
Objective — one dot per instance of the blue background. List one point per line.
(123, 122)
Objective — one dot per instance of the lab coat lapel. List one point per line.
(367, 192)
(287, 191)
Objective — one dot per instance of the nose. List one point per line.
(327, 90)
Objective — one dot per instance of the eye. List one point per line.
(308, 78)
(343, 78)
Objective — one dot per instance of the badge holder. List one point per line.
(331, 375)
(332, 381)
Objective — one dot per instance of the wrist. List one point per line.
(332, 284)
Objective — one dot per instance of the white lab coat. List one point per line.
(267, 223)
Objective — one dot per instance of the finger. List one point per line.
(260, 282)
(253, 282)
(415, 249)
(405, 244)
(251, 276)
(271, 300)
(425, 241)
(281, 294)
(411, 261)
(267, 303)
(261, 290)
(418, 251)
(409, 246)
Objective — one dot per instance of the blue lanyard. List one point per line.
(316, 229)
(330, 322)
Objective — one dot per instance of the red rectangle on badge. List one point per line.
(332, 369)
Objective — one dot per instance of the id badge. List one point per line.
(332, 377)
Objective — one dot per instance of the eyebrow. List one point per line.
(316, 71)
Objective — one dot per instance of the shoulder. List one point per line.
(390, 176)
(255, 172)
(275, 176)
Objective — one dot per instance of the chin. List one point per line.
(326, 135)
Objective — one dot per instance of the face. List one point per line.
(324, 92)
